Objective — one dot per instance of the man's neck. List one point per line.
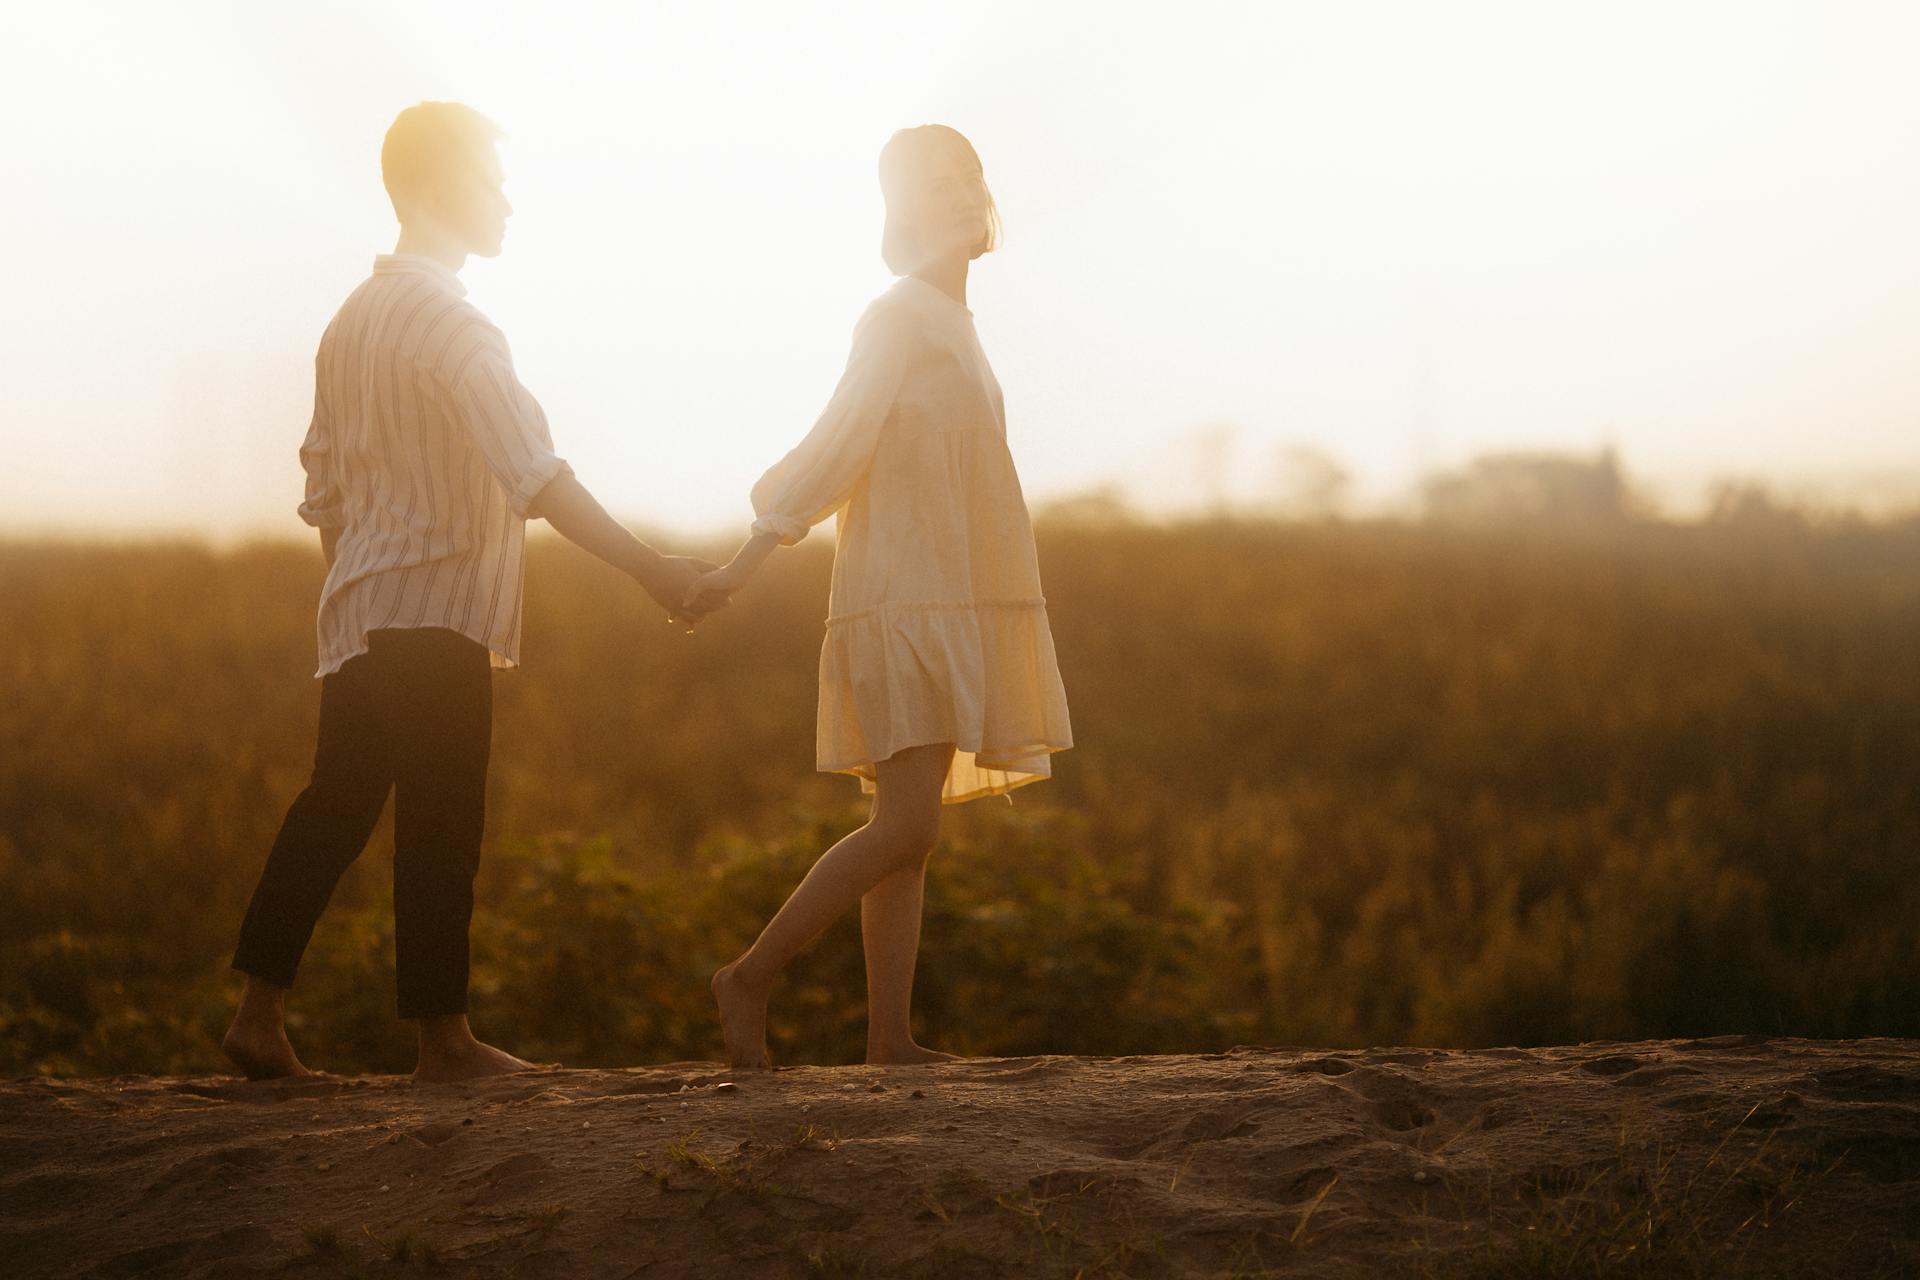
(429, 244)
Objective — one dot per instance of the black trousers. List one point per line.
(413, 715)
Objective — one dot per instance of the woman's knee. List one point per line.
(910, 834)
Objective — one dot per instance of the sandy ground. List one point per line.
(1735, 1155)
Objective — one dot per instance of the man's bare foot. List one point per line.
(449, 1052)
(444, 1064)
(743, 1019)
(908, 1054)
(261, 1051)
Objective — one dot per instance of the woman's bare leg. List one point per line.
(900, 834)
(890, 931)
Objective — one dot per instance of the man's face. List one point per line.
(477, 209)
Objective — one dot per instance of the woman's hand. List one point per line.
(670, 579)
(711, 591)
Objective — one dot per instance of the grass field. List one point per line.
(1335, 784)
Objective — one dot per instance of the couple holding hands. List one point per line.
(425, 459)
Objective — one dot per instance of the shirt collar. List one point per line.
(941, 299)
(419, 264)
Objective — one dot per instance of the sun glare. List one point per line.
(1401, 235)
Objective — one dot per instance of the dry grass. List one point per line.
(1339, 784)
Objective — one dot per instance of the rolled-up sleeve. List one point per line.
(501, 418)
(324, 504)
(818, 477)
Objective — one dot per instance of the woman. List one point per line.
(937, 677)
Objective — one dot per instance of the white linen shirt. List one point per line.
(425, 452)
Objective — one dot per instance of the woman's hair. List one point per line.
(910, 158)
(431, 147)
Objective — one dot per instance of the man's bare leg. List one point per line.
(449, 1052)
(257, 1041)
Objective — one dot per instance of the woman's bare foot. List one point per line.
(261, 1050)
(449, 1052)
(743, 1018)
(908, 1054)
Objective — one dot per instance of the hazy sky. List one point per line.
(1401, 233)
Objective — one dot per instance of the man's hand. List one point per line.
(669, 583)
(710, 591)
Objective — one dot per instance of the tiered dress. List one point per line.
(936, 627)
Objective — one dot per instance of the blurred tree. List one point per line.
(1212, 449)
(1535, 488)
(1100, 507)
(1309, 483)
(1749, 505)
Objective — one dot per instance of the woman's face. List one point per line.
(953, 209)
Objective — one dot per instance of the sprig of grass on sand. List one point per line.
(1646, 1213)
(323, 1239)
(406, 1249)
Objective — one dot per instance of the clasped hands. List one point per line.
(690, 588)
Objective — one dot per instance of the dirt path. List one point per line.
(1760, 1156)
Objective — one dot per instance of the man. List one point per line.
(424, 461)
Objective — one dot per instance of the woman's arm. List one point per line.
(711, 590)
(818, 476)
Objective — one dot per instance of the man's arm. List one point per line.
(578, 517)
(503, 420)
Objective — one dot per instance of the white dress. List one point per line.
(936, 628)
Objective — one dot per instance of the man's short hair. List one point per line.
(431, 147)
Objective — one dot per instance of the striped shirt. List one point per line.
(425, 452)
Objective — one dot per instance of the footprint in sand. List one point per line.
(222, 1163)
(1402, 1115)
(1660, 1073)
(510, 1178)
(1012, 1069)
(1401, 1057)
(1212, 1125)
(1397, 1103)
(523, 1165)
(259, 1091)
(1775, 1113)
(627, 1088)
(1507, 1055)
(1498, 1114)
(1708, 1043)
(433, 1135)
(1867, 1084)
(222, 1246)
